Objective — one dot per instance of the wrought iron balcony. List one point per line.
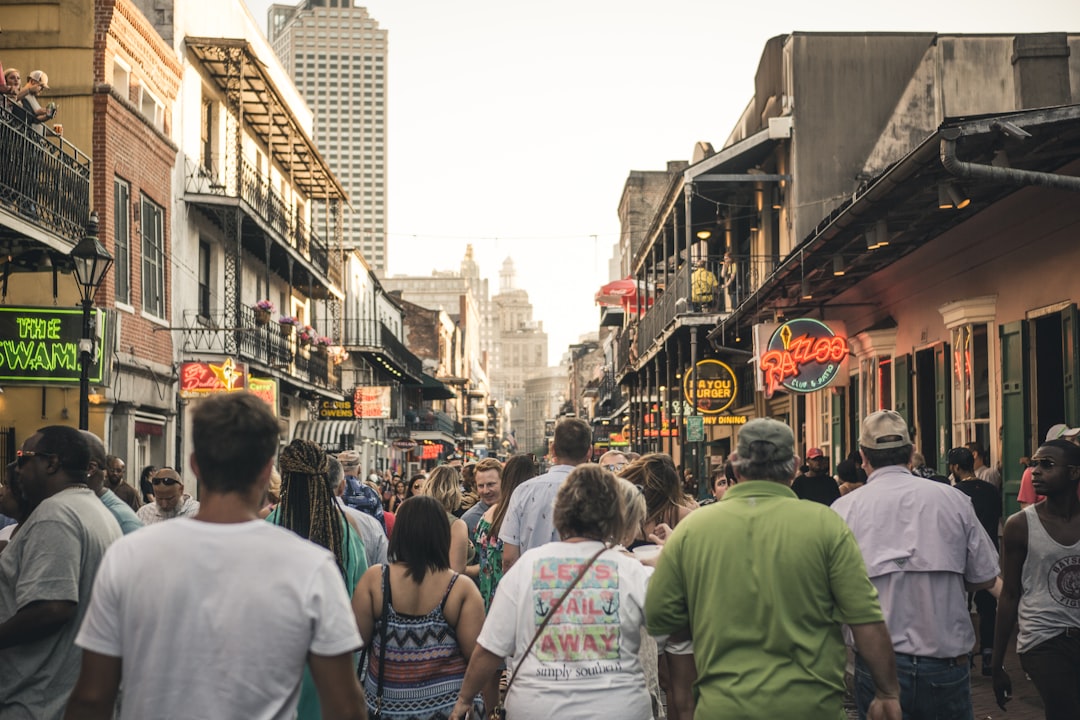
(711, 288)
(269, 344)
(44, 183)
(265, 203)
(374, 337)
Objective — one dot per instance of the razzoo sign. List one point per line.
(801, 355)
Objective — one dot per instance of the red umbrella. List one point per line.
(617, 292)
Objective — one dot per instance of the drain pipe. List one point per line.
(999, 175)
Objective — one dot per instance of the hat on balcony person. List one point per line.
(28, 96)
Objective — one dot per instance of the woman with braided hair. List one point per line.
(307, 507)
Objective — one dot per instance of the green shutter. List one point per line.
(839, 447)
(1069, 363)
(902, 380)
(1014, 409)
(943, 403)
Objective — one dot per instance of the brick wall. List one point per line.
(127, 146)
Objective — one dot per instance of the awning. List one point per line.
(332, 435)
(433, 389)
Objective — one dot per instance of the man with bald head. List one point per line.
(170, 500)
(95, 480)
(46, 573)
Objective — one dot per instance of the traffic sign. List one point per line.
(695, 428)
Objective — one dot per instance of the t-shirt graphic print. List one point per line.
(586, 627)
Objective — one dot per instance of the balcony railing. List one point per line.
(374, 334)
(713, 287)
(43, 178)
(271, 345)
(265, 203)
(437, 421)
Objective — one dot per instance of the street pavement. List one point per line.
(1025, 704)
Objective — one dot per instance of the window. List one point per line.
(207, 140)
(153, 254)
(121, 78)
(152, 108)
(122, 239)
(204, 279)
(971, 347)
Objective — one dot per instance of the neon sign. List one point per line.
(716, 386)
(803, 355)
(199, 379)
(41, 345)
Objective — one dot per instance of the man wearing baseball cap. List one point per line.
(925, 550)
(784, 575)
(816, 484)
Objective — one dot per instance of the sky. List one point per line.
(512, 125)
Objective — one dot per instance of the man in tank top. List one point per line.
(1041, 592)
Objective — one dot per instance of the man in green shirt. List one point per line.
(762, 581)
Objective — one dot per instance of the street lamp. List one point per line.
(91, 261)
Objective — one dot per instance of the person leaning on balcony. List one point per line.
(702, 287)
(28, 96)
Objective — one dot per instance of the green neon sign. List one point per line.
(41, 345)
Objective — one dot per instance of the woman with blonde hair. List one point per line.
(569, 615)
(444, 484)
(658, 479)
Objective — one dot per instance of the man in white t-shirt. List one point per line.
(215, 616)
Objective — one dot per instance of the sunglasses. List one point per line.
(1045, 463)
(615, 467)
(167, 482)
(24, 456)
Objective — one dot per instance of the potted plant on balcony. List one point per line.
(262, 309)
(322, 344)
(337, 354)
(307, 336)
(288, 324)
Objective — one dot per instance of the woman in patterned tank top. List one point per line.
(419, 622)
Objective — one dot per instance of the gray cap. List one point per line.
(769, 431)
(883, 430)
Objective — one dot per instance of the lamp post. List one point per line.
(91, 261)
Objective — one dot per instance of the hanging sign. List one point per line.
(404, 444)
(198, 379)
(372, 402)
(266, 389)
(801, 355)
(716, 386)
(336, 409)
(42, 345)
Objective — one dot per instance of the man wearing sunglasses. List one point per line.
(170, 501)
(1027, 495)
(46, 573)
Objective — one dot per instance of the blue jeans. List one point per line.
(930, 688)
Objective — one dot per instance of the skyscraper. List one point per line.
(336, 54)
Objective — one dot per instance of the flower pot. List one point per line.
(262, 317)
(287, 329)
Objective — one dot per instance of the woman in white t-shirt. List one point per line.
(585, 661)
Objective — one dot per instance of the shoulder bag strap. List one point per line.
(384, 620)
(551, 613)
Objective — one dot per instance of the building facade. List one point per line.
(919, 242)
(336, 54)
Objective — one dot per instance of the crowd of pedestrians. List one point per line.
(597, 589)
